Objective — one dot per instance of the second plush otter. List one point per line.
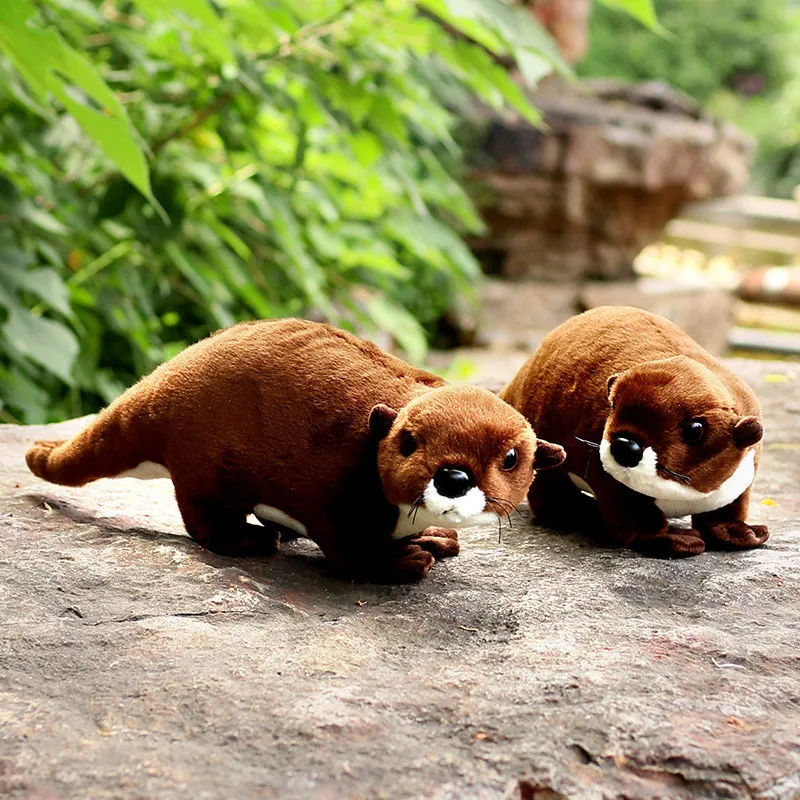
(654, 427)
(318, 432)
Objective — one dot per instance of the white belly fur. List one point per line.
(407, 525)
(467, 510)
(272, 514)
(720, 497)
(673, 498)
(150, 470)
(146, 471)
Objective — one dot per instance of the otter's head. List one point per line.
(456, 455)
(673, 431)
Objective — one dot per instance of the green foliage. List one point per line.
(168, 167)
(711, 44)
(772, 116)
(739, 59)
(51, 67)
(641, 10)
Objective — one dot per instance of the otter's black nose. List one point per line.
(627, 452)
(453, 481)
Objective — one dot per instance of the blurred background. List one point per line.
(451, 178)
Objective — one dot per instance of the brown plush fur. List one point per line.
(623, 372)
(312, 421)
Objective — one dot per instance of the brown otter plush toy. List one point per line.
(654, 427)
(318, 432)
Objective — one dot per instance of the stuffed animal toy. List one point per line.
(318, 433)
(654, 427)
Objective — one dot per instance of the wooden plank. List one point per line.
(732, 237)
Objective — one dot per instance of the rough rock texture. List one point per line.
(519, 314)
(135, 665)
(583, 197)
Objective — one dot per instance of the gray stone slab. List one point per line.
(135, 665)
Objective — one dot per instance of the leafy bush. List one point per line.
(206, 163)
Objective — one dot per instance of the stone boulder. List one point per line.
(134, 664)
(582, 197)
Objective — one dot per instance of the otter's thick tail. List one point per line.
(117, 440)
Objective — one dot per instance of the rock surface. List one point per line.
(136, 665)
(616, 162)
(517, 315)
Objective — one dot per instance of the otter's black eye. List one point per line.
(693, 431)
(408, 443)
(511, 460)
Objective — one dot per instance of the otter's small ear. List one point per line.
(747, 431)
(548, 455)
(380, 420)
(610, 384)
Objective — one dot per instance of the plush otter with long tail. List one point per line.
(318, 432)
(654, 427)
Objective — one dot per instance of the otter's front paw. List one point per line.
(410, 565)
(440, 542)
(735, 536)
(672, 543)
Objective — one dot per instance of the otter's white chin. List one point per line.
(439, 511)
(673, 498)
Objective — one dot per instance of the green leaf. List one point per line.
(464, 17)
(19, 391)
(328, 185)
(45, 283)
(43, 219)
(490, 80)
(44, 341)
(301, 268)
(517, 26)
(13, 257)
(7, 299)
(431, 241)
(400, 324)
(80, 8)
(109, 387)
(203, 283)
(533, 66)
(385, 118)
(51, 66)
(641, 10)
(206, 27)
(366, 148)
